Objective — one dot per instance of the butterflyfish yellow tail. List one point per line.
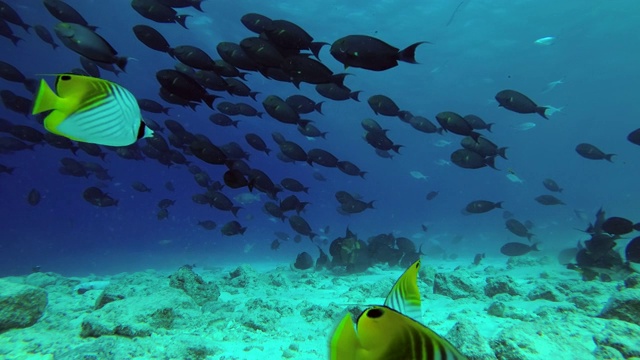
(344, 341)
(404, 296)
(45, 99)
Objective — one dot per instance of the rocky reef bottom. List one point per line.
(523, 308)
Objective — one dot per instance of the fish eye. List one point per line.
(374, 313)
(65, 77)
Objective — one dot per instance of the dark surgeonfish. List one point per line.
(520, 103)
(304, 261)
(619, 226)
(591, 152)
(288, 35)
(482, 206)
(232, 228)
(301, 226)
(369, 53)
(551, 185)
(634, 137)
(456, 124)
(518, 249)
(12, 73)
(97, 197)
(34, 197)
(5, 31)
(549, 200)
(392, 330)
(153, 39)
(468, 159)
(158, 12)
(87, 43)
(632, 251)
(518, 228)
(8, 14)
(65, 13)
(91, 110)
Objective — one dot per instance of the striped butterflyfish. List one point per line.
(91, 110)
(386, 332)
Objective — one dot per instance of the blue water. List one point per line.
(486, 48)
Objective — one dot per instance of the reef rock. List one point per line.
(456, 285)
(20, 305)
(621, 336)
(464, 335)
(193, 285)
(632, 281)
(140, 316)
(503, 284)
(545, 292)
(624, 305)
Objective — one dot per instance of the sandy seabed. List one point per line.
(520, 308)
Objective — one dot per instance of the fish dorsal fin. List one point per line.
(344, 342)
(404, 296)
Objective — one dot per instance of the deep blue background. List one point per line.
(488, 47)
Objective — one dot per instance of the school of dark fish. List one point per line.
(274, 50)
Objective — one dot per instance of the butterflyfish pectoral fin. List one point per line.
(404, 297)
(45, 99)
(344, 342)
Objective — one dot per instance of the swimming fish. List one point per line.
(91, 110)
(511, 175)
(547, 40)
(390, 331)
(525, 126)
(418, 175)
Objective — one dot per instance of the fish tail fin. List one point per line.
(338, 79)
(209, 99)
(408, 54)
(182, 20)
(121, 62)
(503, 152)
(396, 148)
(535, 247)
(498, 205)
(197, 5)
(312, 235)
(489, 127)
(55, 46)
(354, 95)
(609, 157)
(318, 107)
(267, 151)
(45, 99)
(253, 94)
(242, 230)
(541, 110)
(362, 174)
(234, 210)
(491, 162)
(370, 204)
(31, 85)
(315, 48)
(15, 39)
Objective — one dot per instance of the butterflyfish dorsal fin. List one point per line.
(404, 296)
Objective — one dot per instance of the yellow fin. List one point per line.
(344, 342)
(404, 296)
(45, 99)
